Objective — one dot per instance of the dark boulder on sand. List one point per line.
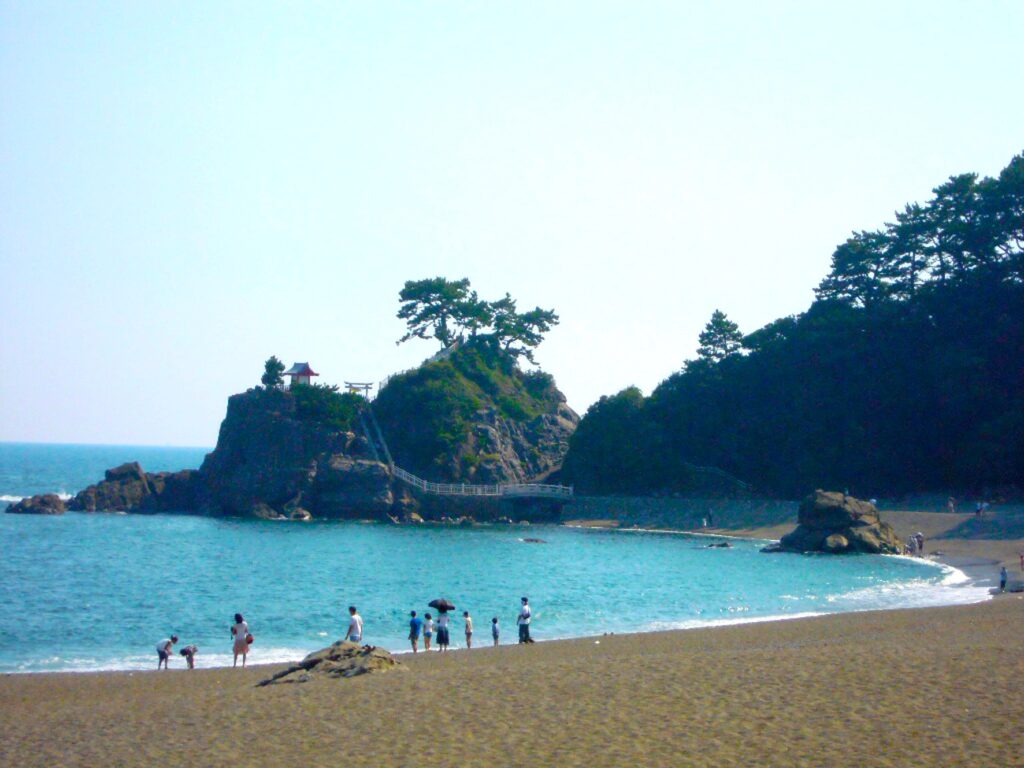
(836, 523)
(43, 504)
(342, 659)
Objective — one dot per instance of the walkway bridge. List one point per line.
(379, 449)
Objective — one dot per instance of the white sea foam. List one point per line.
(9, 499)
(144, 662)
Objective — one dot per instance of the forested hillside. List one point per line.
(906, 373)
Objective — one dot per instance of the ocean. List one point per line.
(85, 592)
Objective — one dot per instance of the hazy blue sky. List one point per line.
(188, 188)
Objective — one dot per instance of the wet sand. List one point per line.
(932, 687)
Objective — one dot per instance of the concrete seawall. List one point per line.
(681, 513)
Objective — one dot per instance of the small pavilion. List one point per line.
(300, 374)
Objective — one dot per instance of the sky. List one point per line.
(187, 188)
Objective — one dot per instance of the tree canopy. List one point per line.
(450, 311)
(905, 373)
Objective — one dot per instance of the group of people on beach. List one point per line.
(425, 627)
(914, 545)
(241, 640)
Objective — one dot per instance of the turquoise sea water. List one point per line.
(86, 592)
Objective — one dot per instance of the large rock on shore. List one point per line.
(342, 659)
(837, 523)
(43, 504)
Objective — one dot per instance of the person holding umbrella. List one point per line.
(523, 620)
(443, 605)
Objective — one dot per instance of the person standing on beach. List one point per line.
(164, 649)
(495, 631)
(1002, 579)
(442, 631)
(355, 626)
(428, 631)
(523, 620)
(240, 632)
(469, 628)
(415, 627)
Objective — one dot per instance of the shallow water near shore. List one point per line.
(95, 592)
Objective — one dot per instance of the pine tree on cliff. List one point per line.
(720, 338)
(449, 311)
(272, 370)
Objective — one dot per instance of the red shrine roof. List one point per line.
(301, 369)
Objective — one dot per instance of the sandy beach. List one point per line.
(937, 686)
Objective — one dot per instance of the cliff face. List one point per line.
(475, 419)
(271, 462)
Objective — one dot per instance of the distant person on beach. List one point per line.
(495, 631)
(951, 505)
(428, 631)
(469, 628)
(355, 626)
(523, 620)
(240, 631)
(1002, 579)
(189, 652)
(415, 627)
(978, 509)
(1022, 562)
(443, 636)
(164, 649)
(919, 538)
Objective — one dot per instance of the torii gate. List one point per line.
(357, 387)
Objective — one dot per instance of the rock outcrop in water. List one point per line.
(340, 660)
(836, 523)
(128, 488)
(43, 504)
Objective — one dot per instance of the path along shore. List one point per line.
(932, 686)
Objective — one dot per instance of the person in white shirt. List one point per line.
(469, 628)
(240, 632)
(355, 626)
(523, 620)
(428, 631)
(163, 651)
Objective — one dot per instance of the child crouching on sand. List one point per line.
(189, 652)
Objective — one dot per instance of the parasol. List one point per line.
(442, 604)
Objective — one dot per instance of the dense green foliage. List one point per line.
(272, 370)
(449, 311)
(427, 414)
(906, 373)
(324, 404)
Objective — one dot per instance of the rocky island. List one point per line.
(311, 452)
